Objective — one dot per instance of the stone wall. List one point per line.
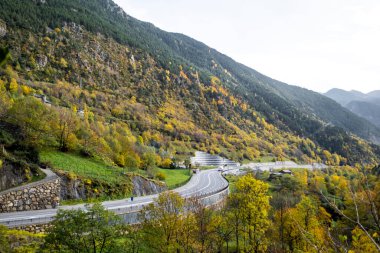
(36, 228)
(34, 196)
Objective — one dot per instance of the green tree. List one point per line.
(34, 119)
(92, 230)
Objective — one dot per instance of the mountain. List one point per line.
(374, 97)
(344, 97)
(374, 94)
(366, 106)
(171, 90)
(369, 111)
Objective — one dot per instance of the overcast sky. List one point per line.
(316, 44)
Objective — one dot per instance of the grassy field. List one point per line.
(84, 167)
(175, 177)
(90, 168)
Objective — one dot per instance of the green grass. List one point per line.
(84, 167)
(93, 169)
(175, 177)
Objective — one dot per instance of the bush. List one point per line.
(71, 176)
(160, 176)
(166, 163)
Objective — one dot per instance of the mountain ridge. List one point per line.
(365, 105)
(221, 87)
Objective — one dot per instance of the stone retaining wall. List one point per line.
(35, 196)
(37, 228)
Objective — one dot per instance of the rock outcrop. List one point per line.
(143, 186)
(78, 188)
(12, 176)
(3, 28)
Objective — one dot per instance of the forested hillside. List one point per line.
(117, 77)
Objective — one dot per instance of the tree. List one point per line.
(34, 119)
(149, 160)
(361, 201)
(13, 85)
(92, 230)
(222, 229)
(162, 222)
(63, 63)
(187, 163)
(166, 163)
(203, 221)
(5, 102)
(252, 200)
(304, 227)
(361, 242)
(66, 126)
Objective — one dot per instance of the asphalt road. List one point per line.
(203, 183)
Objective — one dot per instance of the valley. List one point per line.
(118, 136)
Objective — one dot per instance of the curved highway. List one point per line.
(201, 184)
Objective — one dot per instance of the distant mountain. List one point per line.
(369, 111)
(96, 46)
(374, 97)
(344, 97)
(374, 94)
(364, 105)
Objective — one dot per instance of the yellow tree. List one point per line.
(361, 242)
(13, 85)
(252, 199)
(162, 222)
(5, 102)
(305, 227)
(66, 126)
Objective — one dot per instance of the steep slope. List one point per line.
(113, 61)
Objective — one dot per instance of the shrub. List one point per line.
(166, 163)
(160, 176)
(71, 176)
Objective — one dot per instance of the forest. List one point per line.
(311, 211)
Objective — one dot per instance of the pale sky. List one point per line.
(316, 44)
